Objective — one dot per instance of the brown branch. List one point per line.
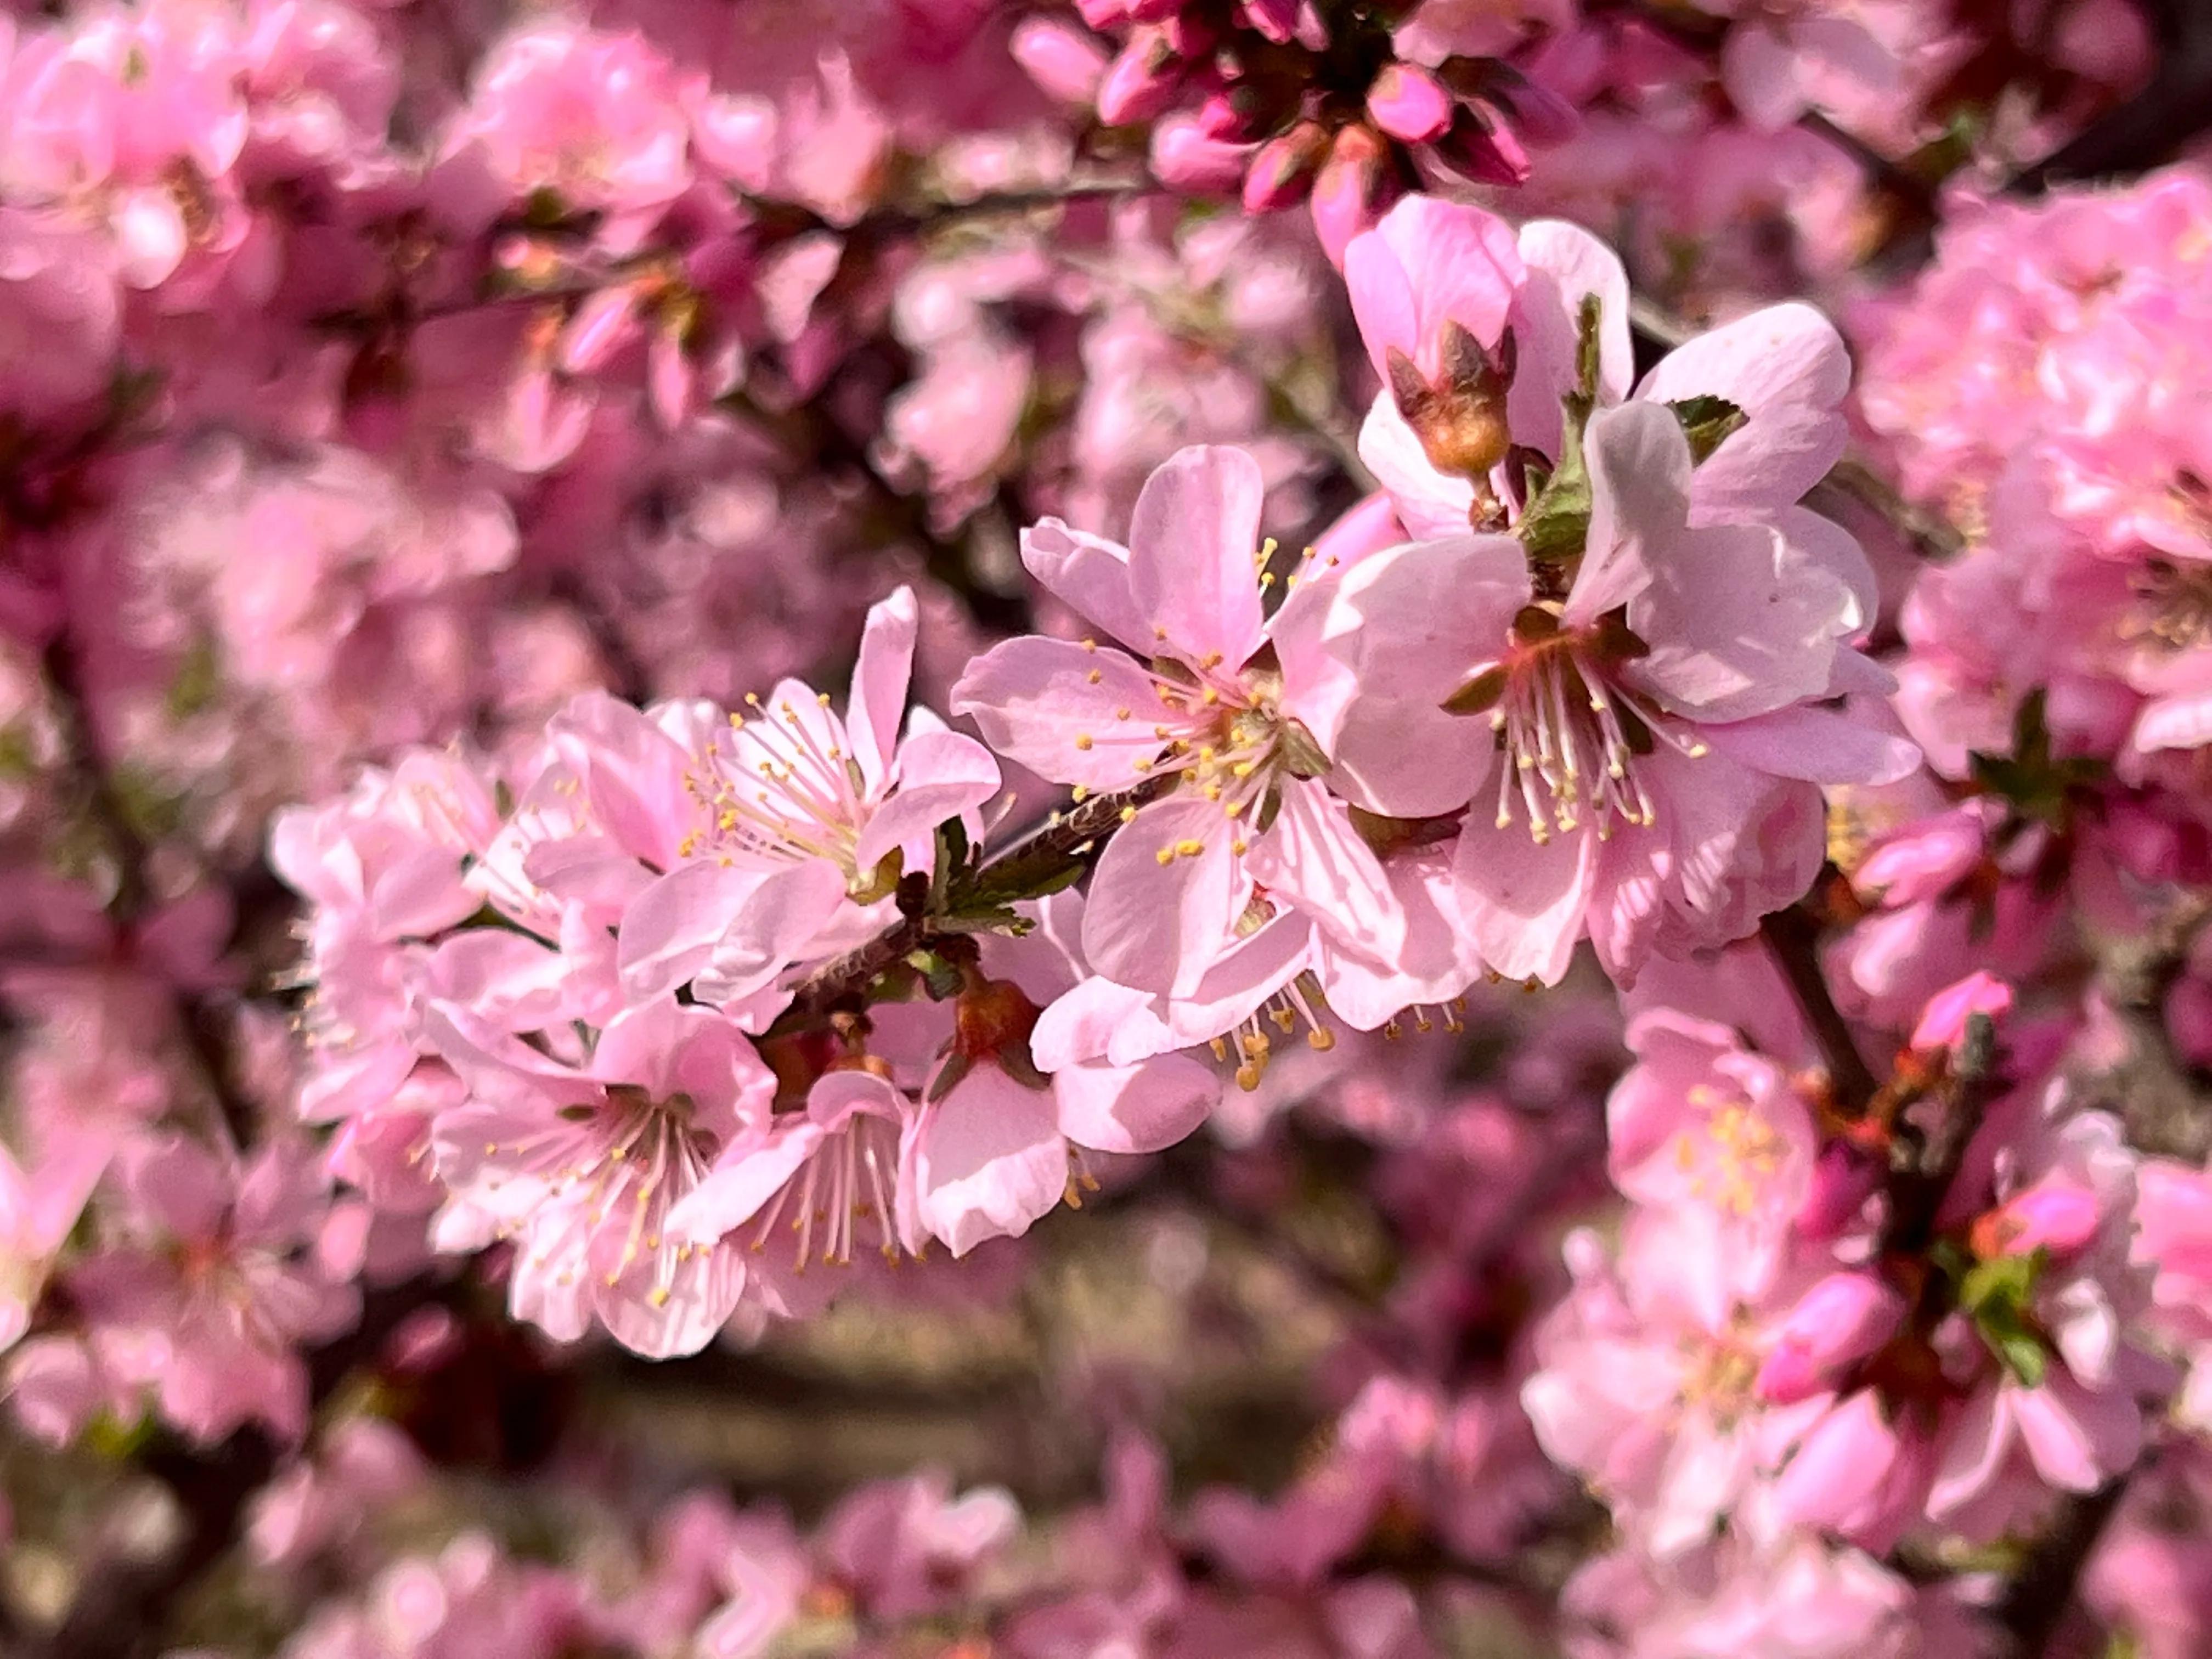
(1793, 939)
(200, 1018)
(1067, 842)
(2036, 1602)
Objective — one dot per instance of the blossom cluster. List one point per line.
(667, 673)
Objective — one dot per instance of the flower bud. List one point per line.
(1284, 169)
(1407, 103)
(1839, 1322)
(1182, 156)
(1065, 63)
(1276, 20)
(1482, 152)
(1142, 82)
(1943, 1022)
(2052, 1215)
(1348, 192)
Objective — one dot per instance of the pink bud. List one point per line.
(1225, 118)
(1281, 172)
(1943, 1022)
(1840, 1321)
(1142, 82)
(1346, 196)
(2053, 1215)
(1407, 103)
(1278, 19)
(1843, 1180)
(1184, 158)
(1482, 152)
(1064, 61)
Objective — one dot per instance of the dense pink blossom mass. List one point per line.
(1105, 829)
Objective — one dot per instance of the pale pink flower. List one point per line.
(1699, 1120)
(208, 1307)
(767, 828)
(1656, 740)
(582, 1166)
(1237, 708)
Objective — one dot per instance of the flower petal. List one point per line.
(988, 1159)
(1134, 1108)
(1191, 542)
(1036, 700)
(1163, 897)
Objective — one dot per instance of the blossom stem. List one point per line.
(1793, 939)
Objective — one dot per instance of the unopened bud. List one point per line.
(1482, 152)
(1459, 415)
(1348, 193)
(1839, 1322)
(1142, 81)
(1276, 20)
(1407, 103)
(1182, 156)
(1284, 169)
(2053, 1216)
(1064, 61)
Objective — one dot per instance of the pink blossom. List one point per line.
(1234, 707)
(582, 1166)
(206, 1306)
(1656, 748)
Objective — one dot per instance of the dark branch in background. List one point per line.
(200, 1018)
(1793, 939)
(2152, 126)
(2036, 1600)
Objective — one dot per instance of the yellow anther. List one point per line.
(1083, 740)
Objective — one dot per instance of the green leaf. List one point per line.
(1556, 525)
(939, 977)
(1586, 350)
(2022, 1353)
(1479, 694)
(1301, 754)
(1707, 421)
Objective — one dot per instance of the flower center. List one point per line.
(2174, 605)
(777, 788)
(847, 1183)
(625, 1162)
(1572, 733)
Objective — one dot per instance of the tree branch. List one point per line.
(1793, 939)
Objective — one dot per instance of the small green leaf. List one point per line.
(1707, 421)
(939, 977)
(1479, 694)
(948, 1077)
(2022, 1353)
(1556, 525)
(1301, 754)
